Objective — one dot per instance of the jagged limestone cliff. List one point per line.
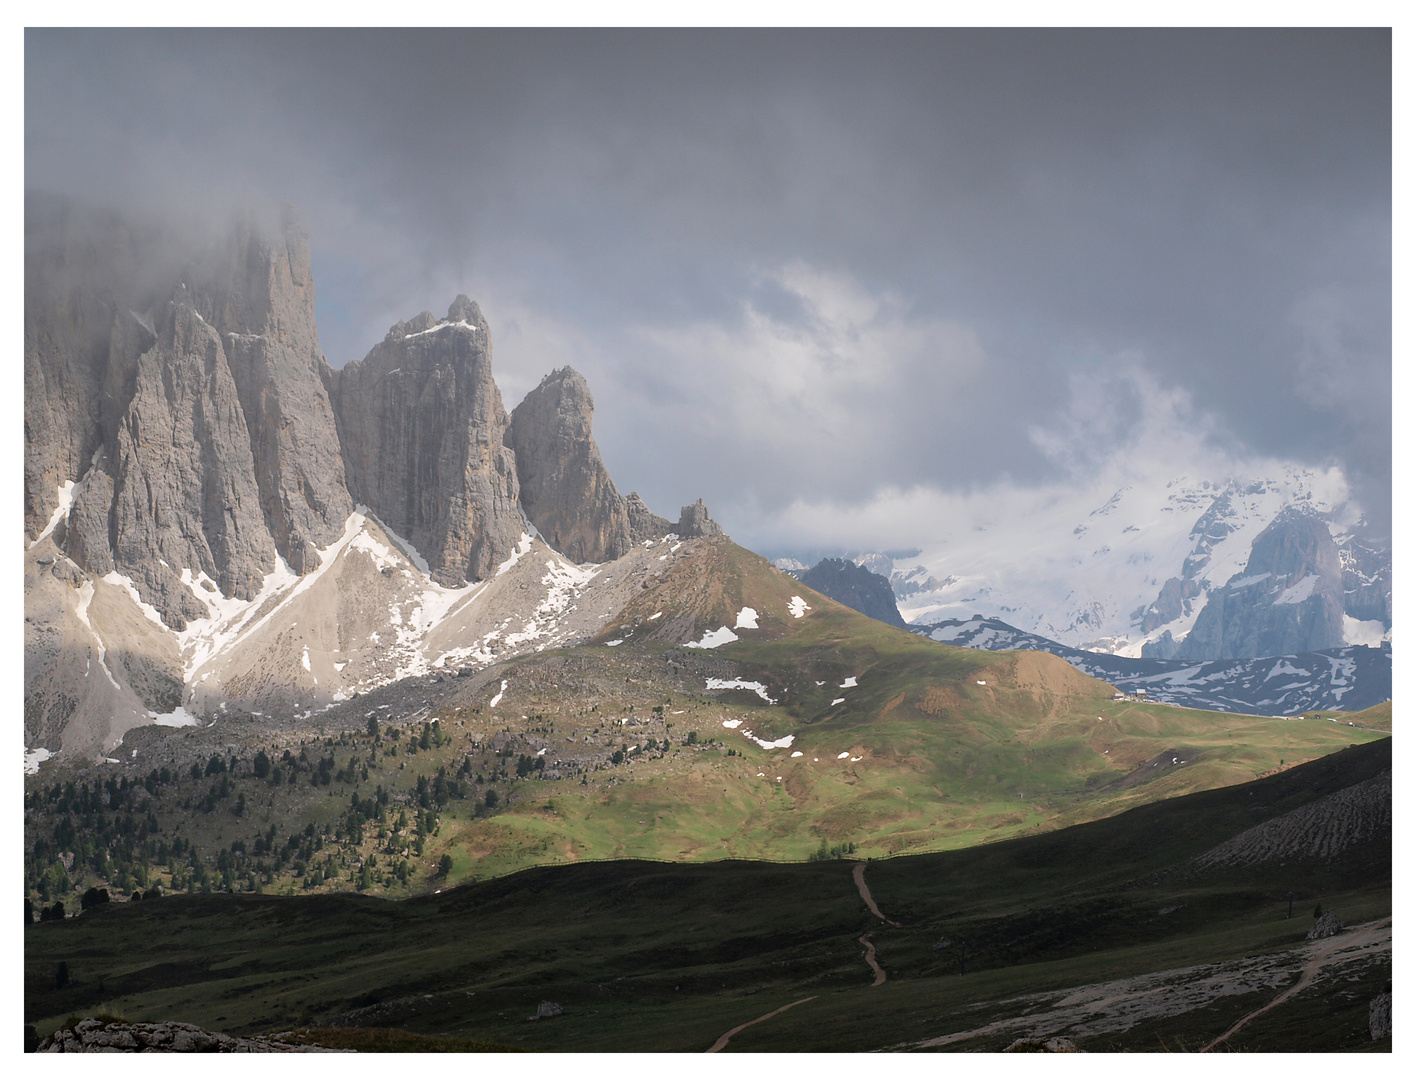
(421, 428)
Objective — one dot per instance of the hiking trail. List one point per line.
(723, 1039)
(1362, 937)
(859, 874)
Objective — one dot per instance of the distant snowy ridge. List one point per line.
(1352, 678)
(1118, 570)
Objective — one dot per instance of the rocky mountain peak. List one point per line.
(856, 587)
(463, 309)
(209, 441)
(1287, 599)
(644, 524)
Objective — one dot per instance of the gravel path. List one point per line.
(870, 959)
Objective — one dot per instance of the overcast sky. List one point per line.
(805, 272)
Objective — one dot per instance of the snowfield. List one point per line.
(1086, 566)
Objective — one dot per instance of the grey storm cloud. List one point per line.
(803, 264)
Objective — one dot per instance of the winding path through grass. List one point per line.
(859, 874)
(1366, 936)
(864, 939)
(723, 1039)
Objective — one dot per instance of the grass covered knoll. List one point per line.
(1376, 718)
(645, 956)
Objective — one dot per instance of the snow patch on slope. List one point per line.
(711, 639)
(68, 491)
(1371, 633)
(741, 684)
(85, 599)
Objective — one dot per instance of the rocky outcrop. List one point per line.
(644, 524)
(422, 430)
(566, 490)
(1379, 1016)
(97, 1037)
(1327, 925)
(694, 521)
(1288, 599)
(856, 587)
(1057, 1044)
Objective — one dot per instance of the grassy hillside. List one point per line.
(1377, 718)
(645, 956)
(619, 749)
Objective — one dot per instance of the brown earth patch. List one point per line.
(937, 700)
(893, 704)
(1043, 673)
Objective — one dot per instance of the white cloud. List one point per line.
(1121, 427)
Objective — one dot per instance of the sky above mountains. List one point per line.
(836, 283)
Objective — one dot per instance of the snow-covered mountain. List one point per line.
(1351, 678)
(1129, 571)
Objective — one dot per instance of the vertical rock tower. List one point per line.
(565, 488)
(422, 426)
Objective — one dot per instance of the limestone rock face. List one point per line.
(566, 490)
(694, 521)
(422, 430)
(644, 524)
(262, 301)
(184, 491)
(1366, 579)
(1288, 599)
(174, 396)
(81, 272)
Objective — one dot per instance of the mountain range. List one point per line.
(215, 517)
(1199, 569)
(313, 644)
